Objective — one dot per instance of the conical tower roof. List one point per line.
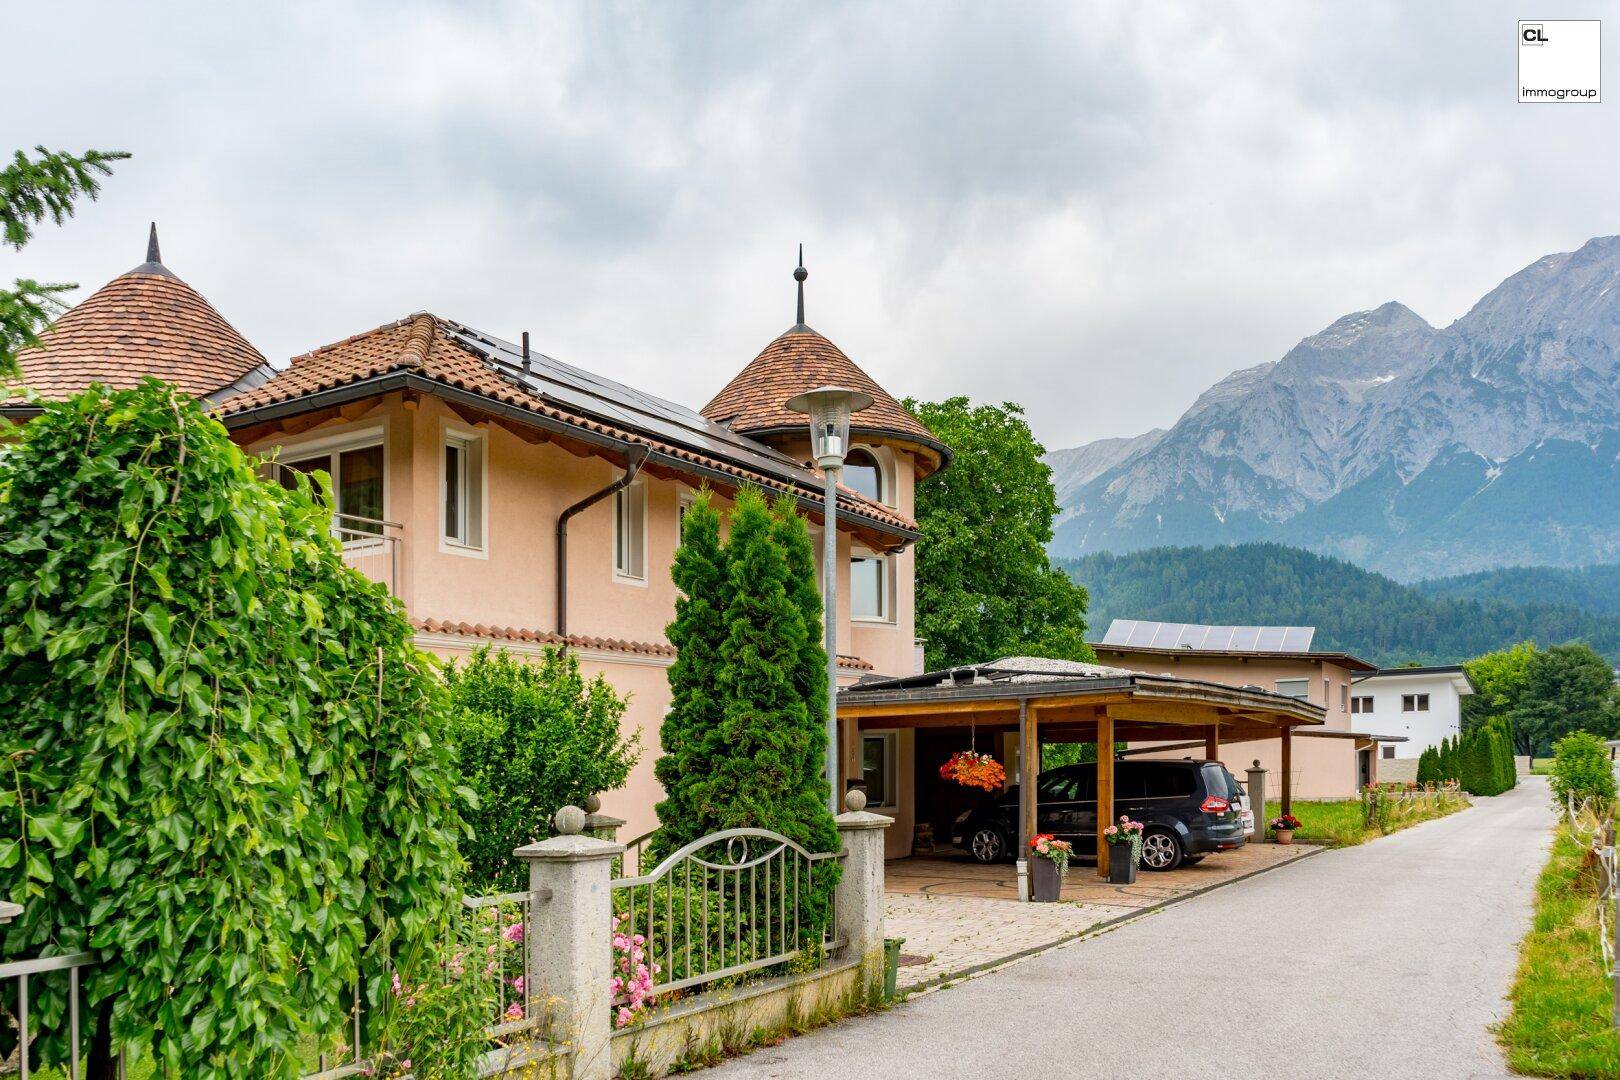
(146, 322)
(801, 359)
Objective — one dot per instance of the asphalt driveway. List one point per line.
(1390, 959)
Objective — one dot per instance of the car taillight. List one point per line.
(1215, 805)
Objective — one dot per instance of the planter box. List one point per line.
(1045, 885)
(1121, 865)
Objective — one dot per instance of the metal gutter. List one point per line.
(632, 469)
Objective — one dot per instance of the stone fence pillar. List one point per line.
(1257, 802)
(570, 940)
(860, 890)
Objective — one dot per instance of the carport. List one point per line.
(1064, 701)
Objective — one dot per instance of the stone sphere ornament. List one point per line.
(570, 821)
(855, 801)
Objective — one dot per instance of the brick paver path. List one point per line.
(958, 917)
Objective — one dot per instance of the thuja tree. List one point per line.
(690, 735)
(770, 776)
(225, 771)
(750, 756)
(530, 738)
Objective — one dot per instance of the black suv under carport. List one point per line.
(1188, 809)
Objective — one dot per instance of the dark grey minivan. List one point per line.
(1188, 809)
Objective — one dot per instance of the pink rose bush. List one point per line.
(632, 982)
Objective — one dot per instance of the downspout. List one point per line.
(634, 459)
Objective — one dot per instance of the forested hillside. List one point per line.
(1354, 610)
(1590, 588)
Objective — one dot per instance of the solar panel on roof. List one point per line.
(591, 395)
(1194, 637)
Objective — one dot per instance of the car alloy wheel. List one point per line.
(1159, 851)
(986, 845)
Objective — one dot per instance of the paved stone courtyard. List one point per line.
(958, 917)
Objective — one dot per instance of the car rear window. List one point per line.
(1217, 781)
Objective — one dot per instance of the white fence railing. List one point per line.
(1591, 823)
(23, 972)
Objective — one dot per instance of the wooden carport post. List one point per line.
(1287, 770)
(1105, 786)
(1212, 742)
(1029, 762)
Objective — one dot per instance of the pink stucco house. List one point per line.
(511, 499)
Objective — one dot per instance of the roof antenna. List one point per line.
(799, 275)
(152, 253)
(525, 352)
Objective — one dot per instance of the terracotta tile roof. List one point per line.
(576, 641)
(145, 322)
(801, 359)
(426, 345)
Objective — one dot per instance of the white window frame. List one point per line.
(475, 444)
(332, 447)
(635, 490)
(1361, 704)
(884, 617)
(1304, 688)
(891, 769)
(685, 499)
(885, 468)
(1420, 702)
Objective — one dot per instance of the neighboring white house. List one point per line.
(1422, 703)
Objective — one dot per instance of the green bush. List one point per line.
(530, 738)
(1581, 769)
(1428, 771)
(227, 771)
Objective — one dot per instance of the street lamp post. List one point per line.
(829, 409)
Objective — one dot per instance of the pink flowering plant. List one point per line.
(435, 1014)
(1047, 846)
(633, 971)
(1126, 832)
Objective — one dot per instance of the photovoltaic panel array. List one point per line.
(591, 395)
(1194, 637)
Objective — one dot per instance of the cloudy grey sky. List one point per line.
(1093, 210)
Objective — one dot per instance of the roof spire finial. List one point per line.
(799, 275)
(152, 253)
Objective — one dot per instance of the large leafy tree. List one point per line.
(985, 587)
(1499, 679)
(225, 764)
(31, 190)
(1566, 688)
(529, 739)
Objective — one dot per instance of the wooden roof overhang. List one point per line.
(1142, 707)
(353, 399)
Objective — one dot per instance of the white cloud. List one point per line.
(1095, 211)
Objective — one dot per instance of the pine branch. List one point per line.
(24, 312)
(33, 189)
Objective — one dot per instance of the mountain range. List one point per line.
(1410, 450)
(1381, 620)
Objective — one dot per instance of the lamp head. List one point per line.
(829, 409)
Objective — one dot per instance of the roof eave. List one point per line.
(942, 453)
(402, 379)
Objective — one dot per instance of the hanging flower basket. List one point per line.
(973, 769)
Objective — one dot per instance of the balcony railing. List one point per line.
(371, 546)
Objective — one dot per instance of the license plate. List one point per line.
(1248, 819)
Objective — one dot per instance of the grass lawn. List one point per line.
(1561, 999)
(1341, 824)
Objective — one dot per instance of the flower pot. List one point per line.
(1285, 836)
(1045, 883)
(1121, 865)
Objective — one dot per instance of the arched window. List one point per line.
(863, 474)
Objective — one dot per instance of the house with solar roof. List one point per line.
(1332, 761)
(515, 500)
